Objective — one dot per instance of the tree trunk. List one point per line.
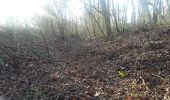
(168, 3)
(106, 16)
(155, 11)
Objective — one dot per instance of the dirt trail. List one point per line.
(91, 72)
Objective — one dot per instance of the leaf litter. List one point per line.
(88, 71)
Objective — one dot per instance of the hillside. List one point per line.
(131, 66)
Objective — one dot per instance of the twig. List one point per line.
(143, 81)
(58, 96)
(159, 77)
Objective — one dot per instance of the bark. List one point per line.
(106, 16)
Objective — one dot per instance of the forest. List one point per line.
(85, 50)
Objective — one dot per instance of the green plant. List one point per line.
(122, 73)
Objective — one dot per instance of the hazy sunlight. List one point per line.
(22, 9)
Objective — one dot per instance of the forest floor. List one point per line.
(131, 66)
